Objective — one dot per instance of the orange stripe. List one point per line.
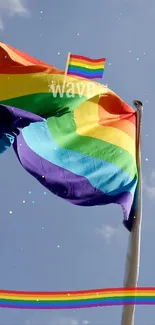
(27, 57)
(114, 103)
(14, 58)
(13, 61)
(86, 62)
(124, 119)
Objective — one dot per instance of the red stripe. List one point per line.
(126, 109)
(79, 57)
(29, 70)
(82, 292)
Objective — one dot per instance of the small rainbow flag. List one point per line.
(85, 67)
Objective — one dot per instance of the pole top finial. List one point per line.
(137, 103)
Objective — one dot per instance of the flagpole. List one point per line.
(133, 254)
(66, 68)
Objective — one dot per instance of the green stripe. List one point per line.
(45, 104)
(87, 300)
(83, 69)
(63, 130)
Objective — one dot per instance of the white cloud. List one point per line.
(63, 321)
(11, 8)
(108, 232)
(150, 190)
(51, 321)
(149, 186)
(153, 175)
(46, 320)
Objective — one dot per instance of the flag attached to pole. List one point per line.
(81, 148)
(85, 67)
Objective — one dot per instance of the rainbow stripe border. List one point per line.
(77, 299)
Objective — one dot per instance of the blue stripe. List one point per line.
(69, 304)
(102, 175)
(80, 72)
(6, 141)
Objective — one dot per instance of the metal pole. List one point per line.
(133, 254)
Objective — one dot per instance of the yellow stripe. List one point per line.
(87, 122)
(87, 62)
(86, 65)
(80, 297)
(13, 86)
(106, 293)
(15, 57)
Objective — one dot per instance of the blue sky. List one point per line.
(93, 242)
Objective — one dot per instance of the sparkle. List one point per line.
(44, 193)
(10, 212)
(137, 59)
(43, 176)
(30, 192)
(58, 53)
(32, 201)
(41, 11)
(23, 201)
(146, 159)
(58, 246)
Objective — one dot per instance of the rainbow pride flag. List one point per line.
(77, 299)
(81, 148)
(85, 67)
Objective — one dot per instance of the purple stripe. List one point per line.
(65, 184)
(78, 307)
(96, 76)
(16, 118)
